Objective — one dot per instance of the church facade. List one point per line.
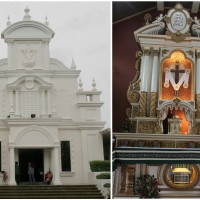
(161, 136)
(46, 117)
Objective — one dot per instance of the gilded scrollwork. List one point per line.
(147, 19)
(132, 94)
(135, 111)
(146, 126)
(168, 144)
(178, 37)
(128, 112)
(130, 179)
(143, 103)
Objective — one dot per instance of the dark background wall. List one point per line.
(124, 49)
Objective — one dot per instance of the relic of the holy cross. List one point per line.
(177, 71)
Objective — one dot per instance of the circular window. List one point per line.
(181, 176)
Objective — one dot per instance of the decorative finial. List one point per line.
(46, 22)
(93, 85)
(73, 65)
(27, 16)
(80, 84)
(8, 22)
(147, 19)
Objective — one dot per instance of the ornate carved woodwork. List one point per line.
(146, 126)
(143, 103)
(130, 179)
(133, 94)
(153, 101)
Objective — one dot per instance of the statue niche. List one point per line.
(176, 78)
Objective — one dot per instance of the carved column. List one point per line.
(143, 104)
(144, 84)
(154, 84)
(123, 179)
(130, 180)
(12, 167)
(153, 101)
(198, 85)
(144, 72)
(55, 160)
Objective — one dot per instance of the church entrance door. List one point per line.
(36, 157)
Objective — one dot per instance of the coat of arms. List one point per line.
(29, 56)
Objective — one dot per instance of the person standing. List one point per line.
(17, 172)
(31, 173)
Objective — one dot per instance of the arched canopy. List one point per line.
(27, 30)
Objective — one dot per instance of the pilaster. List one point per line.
(12, 167)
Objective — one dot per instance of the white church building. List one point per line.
(46, 118)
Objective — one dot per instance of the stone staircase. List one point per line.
(50, 192)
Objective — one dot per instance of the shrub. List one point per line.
(147, 187)
(103, 176)
(100, 166)
(106, 185)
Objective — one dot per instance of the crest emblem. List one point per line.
(178, 23)
(29, 56)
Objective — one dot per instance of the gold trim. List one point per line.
(132, 93)
(146, 52)
(178, 37)
(153, 101)
(146, 127)
(190, 52)
(178, 7)
(147, 19)
(198, 54)
(128, 112)
(198, 105)
(143, 103)
(192, 184)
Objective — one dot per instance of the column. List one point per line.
(123, 179)
(144, 84)
(154, 84)
(55, 160)
(16, 102)
(144, 74)
(11, 102)
(155, 71)
(130, 179)
(12, 167)
(48, 102)
(43, 101)
(198, 85)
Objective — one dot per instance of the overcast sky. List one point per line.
(82, 30)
